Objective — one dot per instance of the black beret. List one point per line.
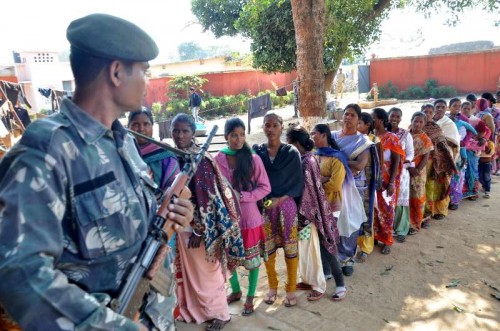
(111, 37)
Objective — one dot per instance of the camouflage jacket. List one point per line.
(75, 205)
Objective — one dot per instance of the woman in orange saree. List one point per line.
(422, 145)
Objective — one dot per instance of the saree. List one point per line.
(162, 164)
(440, 167)
(422, 145)
(402, 212)
(384, 215)
(201, 272)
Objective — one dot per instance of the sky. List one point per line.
(34, 25)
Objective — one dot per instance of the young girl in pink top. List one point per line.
(247, 175)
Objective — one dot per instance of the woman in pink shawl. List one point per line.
(246, 173)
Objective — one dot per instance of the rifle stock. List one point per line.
(155, 249)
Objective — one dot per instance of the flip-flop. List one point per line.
(314, 295)
(340, 295)
(217, 324)
(412, 232)
(233, 297)
(386, 250)
(304, 287)
(290, 302)
(348, 270)
(400, 238)
(270, 298)
(438, 217)
(247, 309)
(361, 258)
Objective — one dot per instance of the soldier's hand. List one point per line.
(181, 212)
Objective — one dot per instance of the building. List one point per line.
(42, 69)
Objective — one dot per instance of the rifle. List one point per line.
(154, 250)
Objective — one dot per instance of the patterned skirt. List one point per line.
(254, 242)
(280, 224)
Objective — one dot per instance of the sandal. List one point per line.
(438, 217)
(361, 258)
(233, 297)
(271, 297)
(217, 324)
(413, 231)
(348, 270)
(339, 295)
(248, 307)
(314, 295)
(400, 238)
(290, 301)
(426, 225)
(386, 250)
(304, 287)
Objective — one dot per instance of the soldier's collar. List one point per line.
(89, 129)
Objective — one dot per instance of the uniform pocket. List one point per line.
(101, 212)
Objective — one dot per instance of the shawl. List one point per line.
(217, 210)
(314, 206)
(421, 144)
(352, 145)
(284, 172)
(442, 162)
(450, 130)
(347, 225)
(390, 142)
(163, 164)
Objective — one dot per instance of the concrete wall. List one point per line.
(467, 72)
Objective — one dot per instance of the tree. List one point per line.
(350, 26)
(190, 51)
(178, 87)
(309, 22)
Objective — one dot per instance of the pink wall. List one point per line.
(467, 72)
(226, 83)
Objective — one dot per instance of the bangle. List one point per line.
(390, 184)
(196, 234)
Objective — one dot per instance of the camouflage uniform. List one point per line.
(75, 205)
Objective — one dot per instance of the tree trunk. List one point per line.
(309, 22)
(329, 77)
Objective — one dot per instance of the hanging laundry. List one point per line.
(13, 92)
(258, 107)
(55, 96)
(281, 92)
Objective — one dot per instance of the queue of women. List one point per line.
(326, 198)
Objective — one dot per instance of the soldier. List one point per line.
(76, 200)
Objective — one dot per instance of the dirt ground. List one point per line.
(406, 290)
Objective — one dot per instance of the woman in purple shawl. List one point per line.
(316, 221)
